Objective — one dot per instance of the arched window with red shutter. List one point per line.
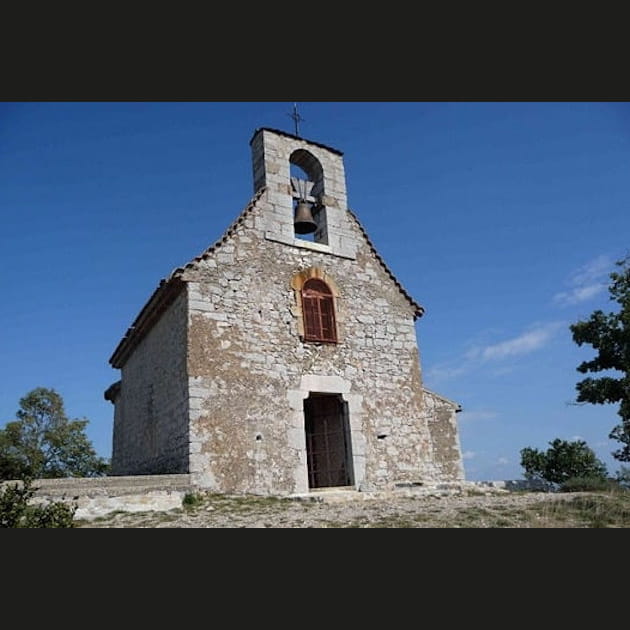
(318, 308)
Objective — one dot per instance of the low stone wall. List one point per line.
(513, 485)
(419, 490)
(99, 496)
(467, 487)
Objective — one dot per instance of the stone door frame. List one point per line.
(297, 430)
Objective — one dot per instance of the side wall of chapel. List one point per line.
(151, 412)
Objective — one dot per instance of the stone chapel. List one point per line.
(283, 359)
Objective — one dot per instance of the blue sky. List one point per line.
(503, 219)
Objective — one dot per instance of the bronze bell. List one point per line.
(303, 221)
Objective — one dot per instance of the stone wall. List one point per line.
(151, 416)
(441, 416)
(98, 496)
(249, 371)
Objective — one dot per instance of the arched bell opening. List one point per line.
(307, 190)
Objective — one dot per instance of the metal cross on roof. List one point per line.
(297, 119)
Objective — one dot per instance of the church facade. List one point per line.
(284, 358)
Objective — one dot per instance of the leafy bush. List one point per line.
(15, 510)
(588, 484)
(623, 477)
(563, 461)
(56, 514)
(192, 500)
(13, 500)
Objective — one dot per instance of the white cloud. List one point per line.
(587, 282)
(575, 438)
(503, 461)
(578, 294)
(472, 354)
(529, 341)
(525, 343)
(593, 270)
(468, 454)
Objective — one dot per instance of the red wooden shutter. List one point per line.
(327, 316)
(311, 319)
(319, 312)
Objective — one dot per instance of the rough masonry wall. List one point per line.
(441, 415)
(245, 355)
(151, 418)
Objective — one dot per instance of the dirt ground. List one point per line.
(507, 509)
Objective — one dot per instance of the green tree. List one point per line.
(609, 334)
(563, 461)
(44, 443)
